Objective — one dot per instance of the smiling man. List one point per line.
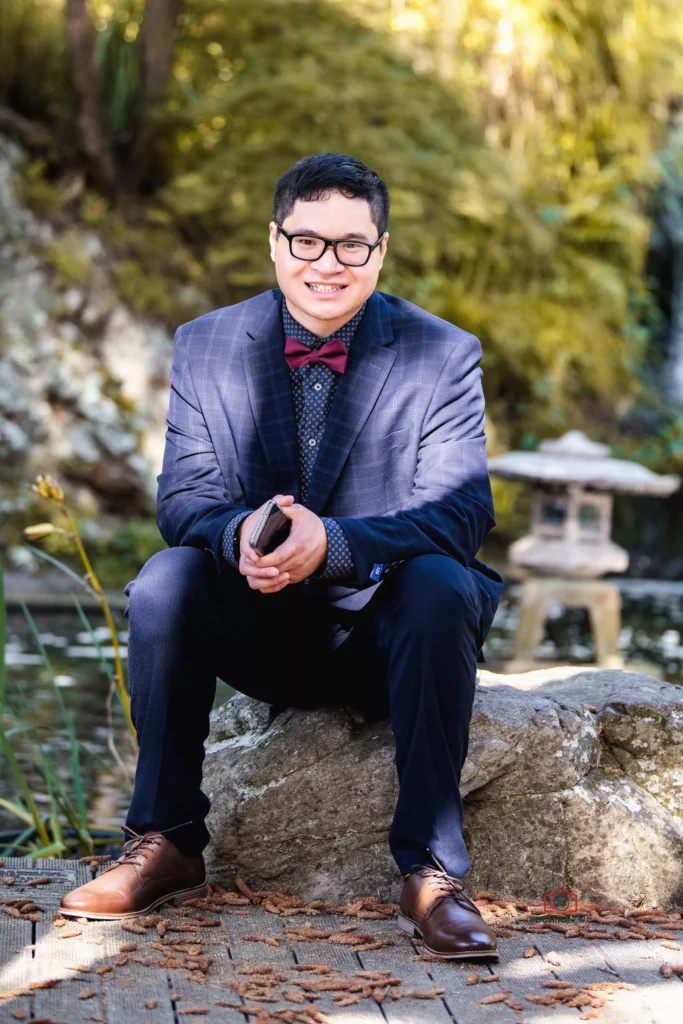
(363, 417)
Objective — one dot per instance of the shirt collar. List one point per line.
(293, 329)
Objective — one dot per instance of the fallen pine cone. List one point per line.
(472, 979)
(292, 996)
(43, 880)
(268, 939)
(668, 969)
(306, 933)
(422, 994)
(70, 933)
(130, 926)
(87, 993)
(497, 997)
(532, 951)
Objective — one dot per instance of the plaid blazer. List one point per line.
(402, 463)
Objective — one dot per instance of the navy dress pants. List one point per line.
(410, 653)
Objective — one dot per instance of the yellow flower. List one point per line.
(38, 531)
(47, 487)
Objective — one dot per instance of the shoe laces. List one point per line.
(135, 851)
(445, 886)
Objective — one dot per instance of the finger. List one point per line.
(284, 499)
(288, 549)
(276, 589)
(268, 573)
(269, 586)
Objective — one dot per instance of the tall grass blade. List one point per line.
(3, 645)
(104, 664)
(47, 851)
(16, 810)
(24, 788)
(60, 565)
(79, 820)
(9, 850)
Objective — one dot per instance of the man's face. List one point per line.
(325, 294)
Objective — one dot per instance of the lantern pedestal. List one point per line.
(601, 599)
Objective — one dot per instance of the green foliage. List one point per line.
(516, 141)
(68, 258)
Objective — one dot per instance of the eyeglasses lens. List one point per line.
(352, 254)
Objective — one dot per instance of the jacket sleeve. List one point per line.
(451, 507)
(193, 503)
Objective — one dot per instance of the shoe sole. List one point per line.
(174, 898)
(410, 928)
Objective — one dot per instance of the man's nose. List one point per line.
(328, 261)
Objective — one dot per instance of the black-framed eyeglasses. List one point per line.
(348, 251)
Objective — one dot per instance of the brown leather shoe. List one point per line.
(151, 871)
(434, 906)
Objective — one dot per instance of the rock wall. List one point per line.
(573, 778)
(83, 383)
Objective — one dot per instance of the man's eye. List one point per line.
(350, 246)
(306, 242)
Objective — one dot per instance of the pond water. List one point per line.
(84, 689)
(652, 632)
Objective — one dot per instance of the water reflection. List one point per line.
(84, 686)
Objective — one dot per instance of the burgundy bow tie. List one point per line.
(332, 353)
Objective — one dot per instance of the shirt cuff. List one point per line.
(231, 552)
(339, 564)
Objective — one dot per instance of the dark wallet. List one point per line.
(272, 528)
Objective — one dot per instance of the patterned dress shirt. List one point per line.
(313, 388)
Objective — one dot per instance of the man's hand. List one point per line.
(266, 579)
(304, 549)
(295, 559)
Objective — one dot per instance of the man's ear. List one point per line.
(272, 227)
(383, 248)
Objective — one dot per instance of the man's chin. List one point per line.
(328, 309)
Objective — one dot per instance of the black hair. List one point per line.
(314, 177)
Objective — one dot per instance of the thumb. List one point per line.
(284, 499)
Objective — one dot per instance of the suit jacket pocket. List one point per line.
(371, 451)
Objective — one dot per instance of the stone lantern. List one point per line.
(569, 546)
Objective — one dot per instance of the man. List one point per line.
(363, 416)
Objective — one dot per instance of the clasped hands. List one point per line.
(296, 558)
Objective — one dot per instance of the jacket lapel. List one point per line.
(366, 371)
(270, 395)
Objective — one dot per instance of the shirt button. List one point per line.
(311, 441)
(317, 387)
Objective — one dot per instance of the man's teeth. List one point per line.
(326, 287)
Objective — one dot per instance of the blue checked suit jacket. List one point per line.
(402, 463)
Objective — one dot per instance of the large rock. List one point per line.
(573, 778)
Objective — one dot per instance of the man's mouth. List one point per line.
(325, 288)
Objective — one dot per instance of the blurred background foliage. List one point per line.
(518, 139)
